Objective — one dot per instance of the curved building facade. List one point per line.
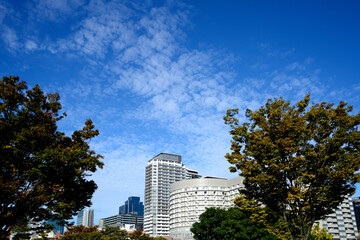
(190, 198)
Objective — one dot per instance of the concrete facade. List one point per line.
(161, 171)
(123, 221)
(190, 198)
(342, 224)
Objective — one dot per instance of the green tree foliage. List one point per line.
(269, 219)
(109, 233)
(43, 173)
(300, 161)
(228, 224)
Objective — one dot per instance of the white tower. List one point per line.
(161, 171)
(85, 218)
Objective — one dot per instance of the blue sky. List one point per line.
(158, 76)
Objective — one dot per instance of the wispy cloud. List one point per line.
(53, 10)
(10, 38)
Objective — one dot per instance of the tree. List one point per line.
(263, 216)
(43, 173)
(228, 224)
(320, 233)
(108, 233)
(86, 233)
(300, 161)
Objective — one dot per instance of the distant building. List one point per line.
(56, 232)
(161, 171)
(132, 206)
(341, 224)
(192, 174)
(57, 227)
(356, 205)
(85, 218)
(123, 221)
(79, 218)
(190, 198)
(130, 217)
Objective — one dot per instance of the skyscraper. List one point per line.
(356, 205)
(161, 171)
(342, 223)
(132, 206)
(85, 218)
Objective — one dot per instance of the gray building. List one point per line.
(190, 198)
(161, 171)
(122, 220)
(341, 224)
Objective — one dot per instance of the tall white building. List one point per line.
(190, 198)
(161, 171)
(85, 218)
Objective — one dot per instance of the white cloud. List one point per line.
(294, 66)
(31, 45)
(3, 11)
(54, 10)
(10, 38)
(123, 174)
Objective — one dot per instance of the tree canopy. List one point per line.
(108, 233)
(229, 224)
(43, 173)
(299, 160)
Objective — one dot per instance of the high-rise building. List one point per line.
(161, 171)
(341, 224)
(190, 198)
(132, 206)
(79, 218)
(85, 218)
(356, 205)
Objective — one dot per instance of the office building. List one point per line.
(123, 221)
(79, 218)
(356, 205)
(56, 227)
(130, 217)
(341, 224)
(190, 198)
(85, 218)
(161, 171)
(132, 206)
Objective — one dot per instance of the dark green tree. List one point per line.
(298, 160)
(229, 224)
(43, 173)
